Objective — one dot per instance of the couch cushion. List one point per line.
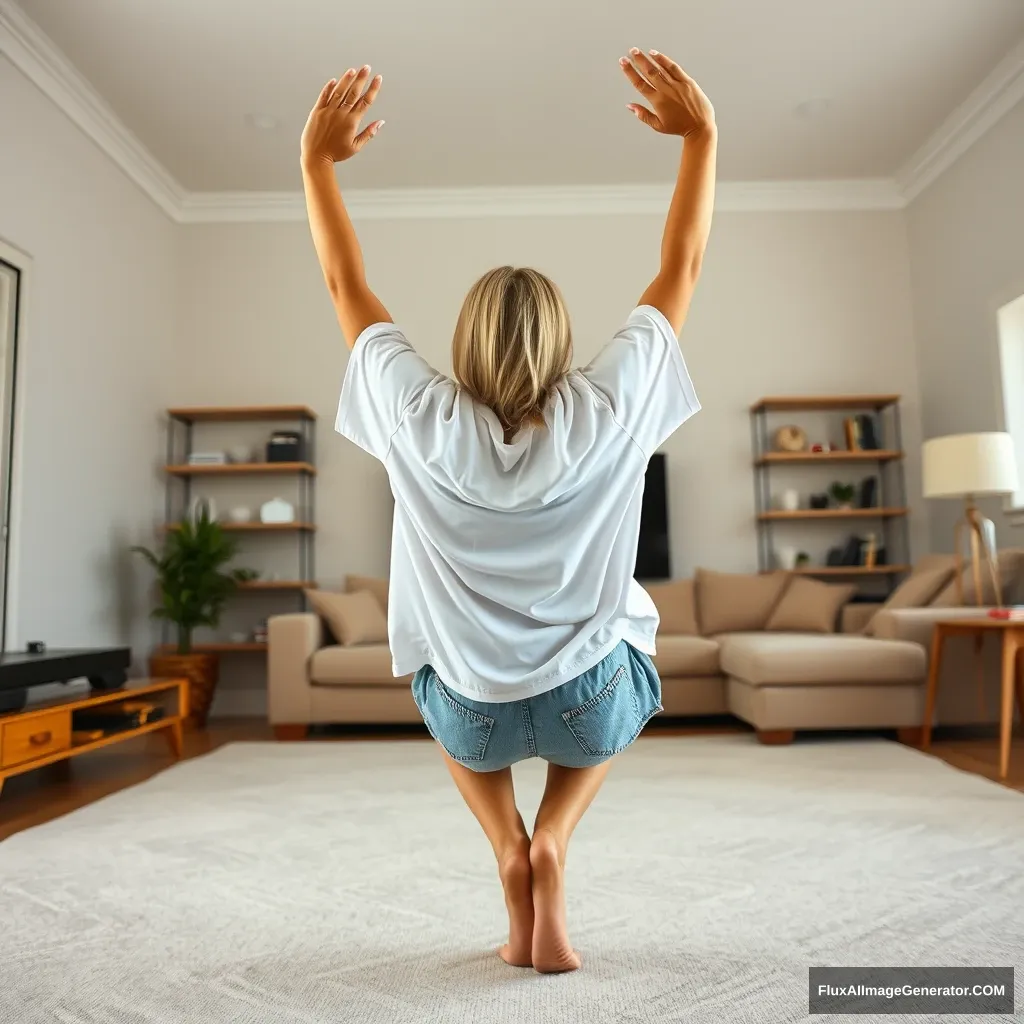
(729, 602)
(352, 618)
(367, 663)
(809, 606)
(916, 591)
(686, 656)
(676, 608)
(780, 659)
(375, 585)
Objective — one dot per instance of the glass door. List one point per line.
(10, 279)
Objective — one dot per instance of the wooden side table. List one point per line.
(1011, 634)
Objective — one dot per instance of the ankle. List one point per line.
(513, 850)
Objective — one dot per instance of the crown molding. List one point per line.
(541, 201)
(34, 54)
(999, 93)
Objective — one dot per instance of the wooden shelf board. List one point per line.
(217, 648)
(255, 527)
(234, 414)
(804, 458)
(823, 403)
(849, 570)
(242, 468)
(277, 585)
(88, 700)
(833, 513)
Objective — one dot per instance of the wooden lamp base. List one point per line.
(981, 538)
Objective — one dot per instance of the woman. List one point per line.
(517, 502)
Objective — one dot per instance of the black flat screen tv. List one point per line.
(652, 553)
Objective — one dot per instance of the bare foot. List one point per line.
(552, 951)
(514, 872)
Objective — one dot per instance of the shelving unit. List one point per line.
(179, 492)
(891, 512)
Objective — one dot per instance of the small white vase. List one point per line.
(789, 500)
(785, 558)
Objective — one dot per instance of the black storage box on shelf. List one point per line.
(285, 446)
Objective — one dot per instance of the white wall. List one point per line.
(789, 303)
(96, 368)
(966, 235)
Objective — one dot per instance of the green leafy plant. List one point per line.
(194, 583)
(842, 494)
(803, 559)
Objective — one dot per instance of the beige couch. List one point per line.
(779, 680)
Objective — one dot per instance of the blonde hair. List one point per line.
(512, 344)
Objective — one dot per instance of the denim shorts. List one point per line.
(578, 724)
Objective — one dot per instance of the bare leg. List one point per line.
(567, 795)
(491, 798)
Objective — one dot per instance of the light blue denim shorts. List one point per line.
(578, 724)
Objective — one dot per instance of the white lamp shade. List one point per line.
(969, 464)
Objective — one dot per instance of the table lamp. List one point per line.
(967, 466)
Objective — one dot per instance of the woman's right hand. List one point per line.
(680, 108)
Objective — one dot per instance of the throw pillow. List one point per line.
(351, 618)
(1007, 569)
(729, 602)
(676, 608)
(918, 590)
(377, 587)
(809, 606)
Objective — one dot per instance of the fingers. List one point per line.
(669, 67)
(651, 71)
(640, 83)
(366, 134)
(325, 94)
(369, 96)
(350, 87)
(648, 117)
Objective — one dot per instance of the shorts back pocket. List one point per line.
(462, 732)
(612, 718)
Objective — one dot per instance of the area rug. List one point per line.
(345, 882)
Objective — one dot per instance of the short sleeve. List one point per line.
(642, 376)
(383, 378)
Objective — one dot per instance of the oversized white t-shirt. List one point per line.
(512, 564)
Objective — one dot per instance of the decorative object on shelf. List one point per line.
(967, 466)
(868, 497)
(194, 585)
(785, 558)
(277, 510)
(817, 448)
(241, 454)
(240, 514)
(285, 446)
(818, 501)
(207, 458)
(259, 634)
(852, 432)
(802, 559)
(201, 508)
(842, 494)
(239, 637)
(790, 438)
(867, 433)
(789, 500)
(869, 551)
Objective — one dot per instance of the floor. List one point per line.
(40, 796)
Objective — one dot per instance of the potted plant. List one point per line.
(194, 584)
(842, 494)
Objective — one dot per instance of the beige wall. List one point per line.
(798, 303)
(966, 236)
(96, 370)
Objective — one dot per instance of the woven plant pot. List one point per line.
(201, 671)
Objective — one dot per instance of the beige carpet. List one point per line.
(329, 882)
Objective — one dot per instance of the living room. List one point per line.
(864, 262)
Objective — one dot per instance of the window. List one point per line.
(9, 282)
(1011, 361)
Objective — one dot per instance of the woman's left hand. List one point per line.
(332, 130)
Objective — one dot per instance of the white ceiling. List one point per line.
(529, 93)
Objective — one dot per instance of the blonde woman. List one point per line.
(517, 502)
